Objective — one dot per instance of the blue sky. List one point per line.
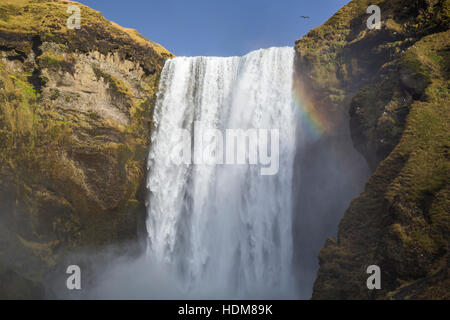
(218, 28)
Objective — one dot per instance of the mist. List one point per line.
(328, 174)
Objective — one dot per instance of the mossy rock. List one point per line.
(394, 84)
(72, 156)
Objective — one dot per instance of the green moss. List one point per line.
(116, 85)
(54, 94)
(57, 62)
(93, 115)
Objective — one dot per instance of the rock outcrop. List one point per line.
(394, 82)
(75, 117)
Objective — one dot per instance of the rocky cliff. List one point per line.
(393, 83)
(75, 116)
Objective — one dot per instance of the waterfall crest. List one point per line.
(224, 231)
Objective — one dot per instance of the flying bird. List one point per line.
(305, 17)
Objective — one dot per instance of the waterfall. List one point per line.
(223, 231)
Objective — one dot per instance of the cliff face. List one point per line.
(75, 116)
(394, 85)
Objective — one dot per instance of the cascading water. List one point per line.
(224, 231)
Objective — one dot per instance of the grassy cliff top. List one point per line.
(48, 19)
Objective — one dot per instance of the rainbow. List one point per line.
(314, 122)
